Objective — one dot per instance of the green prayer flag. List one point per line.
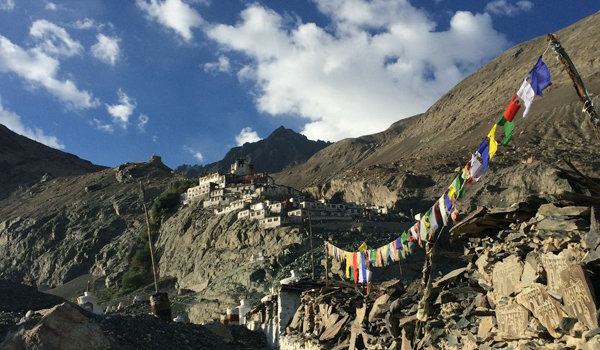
(509, 127)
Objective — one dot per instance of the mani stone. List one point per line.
(530, 270)
(577, 296)
(507, 276)
(333, 328)
(536, 299)
(512, 321)
(554, 211)
(554, 266)
(486, 325)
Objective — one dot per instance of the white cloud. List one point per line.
(173, 14)
(142, 121)
(121, 111)
(504, 7)
(222, 65)
(246, 135)
(39, 69)
(155, 138)
(378, 62)
(7, 5)
(199, 157)
(50, 6)
(106, 49)
(54, 40)
(13, 121)
(87, 23)
(102, 126)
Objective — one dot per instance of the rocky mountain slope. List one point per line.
(416, 157)
(60, 229)
(282, 149)
(24, 162)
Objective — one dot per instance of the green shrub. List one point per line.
(141, 260)
(132, 280)
(163, 205)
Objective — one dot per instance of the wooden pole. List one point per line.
(423, 306)
(584, 96)
(312, 254)
(149, 237)
(326, 265)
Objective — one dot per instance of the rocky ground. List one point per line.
(529, 280)
(55, 323)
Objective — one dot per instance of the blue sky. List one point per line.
(118, 81)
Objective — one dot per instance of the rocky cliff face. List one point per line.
(57, 230)
(212, 255)
(282, 149)
(430, 146)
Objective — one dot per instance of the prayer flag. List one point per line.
(511, 110)
(398, 244)
(539, 77)
(363, 268)
(493, 144)
(347, 264)
(433, 224)
(526, 94)
(363, 247)
(413, 231)
(422, 229)
(384, 254)
(443, 211)
(404, 238)
(466, 174)
(509, 127)
(456, 188)
(373, 256)
(355, 267)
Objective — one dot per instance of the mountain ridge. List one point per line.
(23, 162)
(281, 149)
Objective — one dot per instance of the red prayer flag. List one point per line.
(511, 111)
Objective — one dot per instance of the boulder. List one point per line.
(63, 327)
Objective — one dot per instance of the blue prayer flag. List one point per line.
(399, 243)
(539, 77)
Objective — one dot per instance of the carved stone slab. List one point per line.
(577, 295)
(554, 265)
(507, 276)
(536, 299)
(512, 321)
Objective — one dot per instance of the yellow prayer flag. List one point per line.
(466, 174)
(347, 264)
(363, 247)
(493, 143)
(384, 250)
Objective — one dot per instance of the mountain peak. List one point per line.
(282, 131)
(283, 148)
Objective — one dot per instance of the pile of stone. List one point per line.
(341, 316)
(529, 282)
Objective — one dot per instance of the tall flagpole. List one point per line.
(149, 237)
(584, 96)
